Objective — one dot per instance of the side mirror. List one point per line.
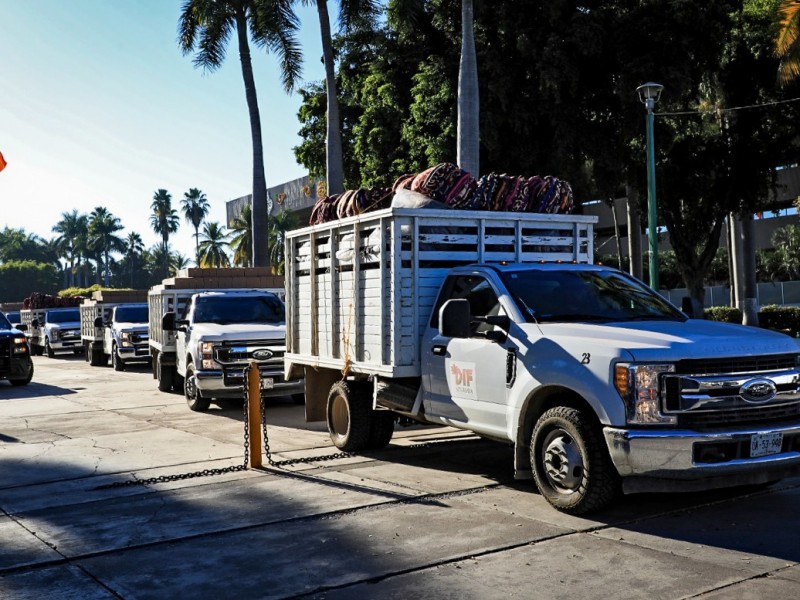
(35, 323)
(454, 319)
(168, 322)
(98, 322)
(21, 327)
(182, 324)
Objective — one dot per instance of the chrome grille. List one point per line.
(240, 353)
(738, 364)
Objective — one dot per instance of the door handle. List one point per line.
(439, 350)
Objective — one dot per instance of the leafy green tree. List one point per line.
(242, 235)
(195, 208)
(18, 244)
(212, 247)
(205, 29)
(164, 221)
(103, 228)
(18, 278)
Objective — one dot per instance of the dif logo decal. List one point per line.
(461, 378)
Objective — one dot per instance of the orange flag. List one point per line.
(3, 162)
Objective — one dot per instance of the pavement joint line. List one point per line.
(326, 516)
(773, 573)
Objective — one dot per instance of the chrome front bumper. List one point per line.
(663, 460)
(218, 384)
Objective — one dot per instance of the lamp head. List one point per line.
(649, 93)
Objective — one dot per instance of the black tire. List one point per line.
(299, 399)
(36, 350)
(116, 361)
(349, 416)
(166, 377)
(570, 462)
(381, 429)
(193, 398)
(49, 349)
(24, 381)
(95, 356)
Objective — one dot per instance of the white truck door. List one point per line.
(467, 377)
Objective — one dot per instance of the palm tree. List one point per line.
(134, 247)
(103, 227)
(195, 209)
(241, 242)
(164, 221)
(351, 12)
(212, 248)
(787, 44)
(282, 222)
(72, 228)
(206, 27)
(160, 255)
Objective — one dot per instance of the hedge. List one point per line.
(781, 318)
(726, 314)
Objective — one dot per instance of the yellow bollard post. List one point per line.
(254, 413)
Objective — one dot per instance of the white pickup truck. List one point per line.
(208, 337)
(115, 331)
(51, 330)
(496, 323)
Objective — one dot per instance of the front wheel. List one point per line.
(349, 416)
(116, 361)
(49, 349)
(24, 380)
(193, 398)
(570, 462)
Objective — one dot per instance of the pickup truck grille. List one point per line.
(5, 354)
(265, 352)
(742, 391)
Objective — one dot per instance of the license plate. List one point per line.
(764, 444)
(268, 383)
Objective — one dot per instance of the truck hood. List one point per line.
(673, 340)
(67, 325)
(212, 332)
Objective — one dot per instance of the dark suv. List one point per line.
(15, 355)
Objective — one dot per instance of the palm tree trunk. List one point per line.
(197, 246)
(259, 207)
(468, 155)
(334, 169)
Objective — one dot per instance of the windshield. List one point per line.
(13, 317)
(239, 309)
(70, 315)
(584, 295)
(4, 324)
(131, 314)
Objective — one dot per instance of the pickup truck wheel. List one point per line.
(49, 349)
(95, 356)
(193, 398)
(381, 429)
(116, 361)
(349, 416)
(25, 380)
(299, 399)
(166, 375)
(570, 462)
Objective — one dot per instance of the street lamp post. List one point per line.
(649, 93)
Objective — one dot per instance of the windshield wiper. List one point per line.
(576, 317)
(654, 318)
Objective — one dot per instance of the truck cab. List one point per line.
(61, 331)
(125, 335)
(218, 334)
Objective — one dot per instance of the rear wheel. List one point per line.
(349, 416)
(570, 462)
(193, 398)
(96, 355)
(381, 429)
(299, 399)
(166, 377)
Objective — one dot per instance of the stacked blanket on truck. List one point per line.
(449, 186)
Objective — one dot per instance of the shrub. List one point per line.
(781, 318)
(725, 314)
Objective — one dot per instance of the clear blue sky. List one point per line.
(98, 107)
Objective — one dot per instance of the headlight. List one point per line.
(20, 346)
(207, 355)
(125, 338)
(55, 333)
(638, 387)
